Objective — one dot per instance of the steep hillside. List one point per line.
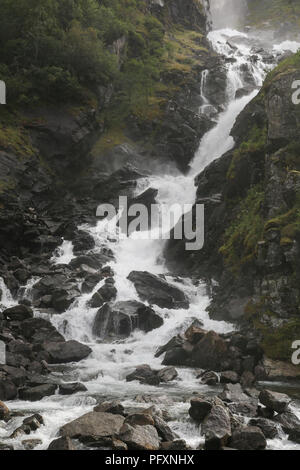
(252, 218)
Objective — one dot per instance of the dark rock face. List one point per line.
(209, 351)
(18, 313)
(275, 401)
(145, 375)
(248, 438)
(200, 408)
(157, 291)
(69, 351)
(140, 437)
(268, 428)
(37, 393)
(57, 292)
(93, 426)
(121, 319)
(62, 443)
(288, 421)
(216, 428)
(106, 293)
(115, 407)
(71, 388)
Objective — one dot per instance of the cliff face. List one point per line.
(251, 196)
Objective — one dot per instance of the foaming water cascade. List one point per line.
(104, 371)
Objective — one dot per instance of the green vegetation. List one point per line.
(276, 340)
(273, 12)
(245, 231)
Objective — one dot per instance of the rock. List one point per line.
(121, 319)
(209, 378)
(288, 420)
(167, 374)
(34, 422)
(39, 330)
(294, 435)
(62, 443)
(229, 377)
(140, 437)
(200, 408)
(268, 428)
(139, 419)
(179, 444)
(175, 342)
(37, 393)
(113, 407)
(55, 291)
(70, 351)
(6, 446)
(71, 388)
(8, 390)
(144, 374)
(195, 333)
(30, 444)
(275, 401)
(233, 393)
(83, 241)
(244, 408)
(209, 352)
(93, 426)
(247, 379)
(216, 428)
(157, 291)
(106, 293)
(4, 412)
(248, 438)
(164, 431)
(18, 313)
(279, 370)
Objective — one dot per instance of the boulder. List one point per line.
(210, 351)
(233, 393)
(178, 444)
(93, 426)
(38, 330)
(167, 374)
(37, 393)
(195, 333)
(164, 431)
(229, 377)
(199, 409)
(106, 293)
(34, 422)
(145, 375)
(114, 407)
(121, 319)
(157, 291)
(294, 435)
(71, 388)
(31, 444)
(216, 428)
(288, 420)
(267, 426)
(4, 412)
(140, 437)
(18, 313)
(248, 438)
(8, 390)
(55, 291)
(139, 419)
(62, 443)
(83, 241)
(70, 351)
(275, 401)
(209, 378)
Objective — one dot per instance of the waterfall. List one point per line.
(226, 13)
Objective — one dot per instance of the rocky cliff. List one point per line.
(251, 197)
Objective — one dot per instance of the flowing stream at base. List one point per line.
(105, 370)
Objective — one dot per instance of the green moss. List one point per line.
(272, 13)
(15, 139)
(109, 140)
(245, 231)
(275, 341)
(254, 142)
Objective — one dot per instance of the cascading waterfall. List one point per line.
(104, 371)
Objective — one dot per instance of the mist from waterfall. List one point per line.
(227, 13)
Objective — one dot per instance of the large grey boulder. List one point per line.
(216, 428)
(140, 437)
(157, 291)
(70, 351)
(248, 438)
(93, 426)
(121, 319)
(275, 401)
